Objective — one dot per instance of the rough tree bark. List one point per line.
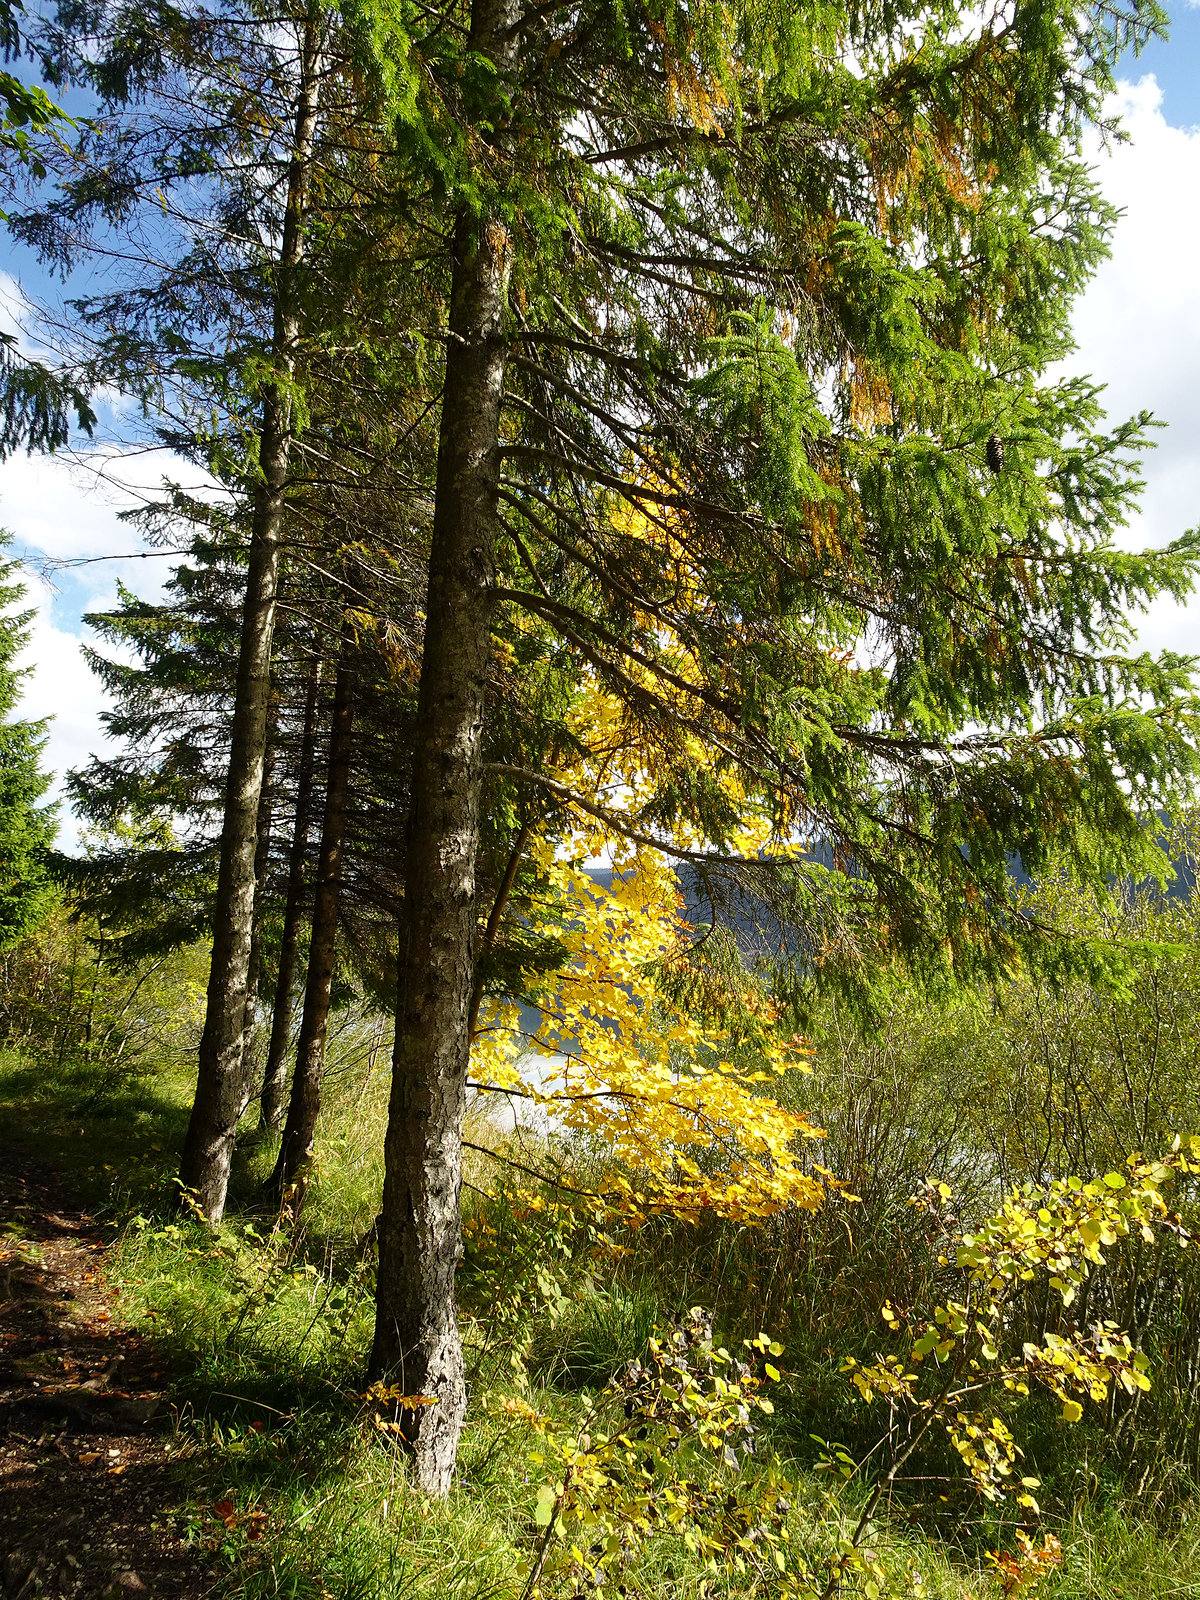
(222, 1081)
(417, 1343)
(270, 1117)
(304, 1105)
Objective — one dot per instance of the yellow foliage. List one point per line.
(870, 395)
(959, 1353)
(678, 1090)
(682, 1113)
(699, 95)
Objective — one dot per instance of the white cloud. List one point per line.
(63, 508)
(66, 507)
(1138, 325)
(62, 687)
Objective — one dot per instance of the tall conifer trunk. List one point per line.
(305, 1103)
(270, 1118)
(417, 1342)
(222, 1081)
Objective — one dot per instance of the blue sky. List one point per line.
(1175, 63)
(1137, 327)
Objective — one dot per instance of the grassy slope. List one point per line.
(267, 1329)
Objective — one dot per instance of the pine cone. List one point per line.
(995, 452)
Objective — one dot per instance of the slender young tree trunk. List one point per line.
(270, 1118)
(304, 1106)
(98, 967)
(262, 859)
(66, 1024)
(222, 1082)
(417, 1342)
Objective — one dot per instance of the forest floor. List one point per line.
(91, 1476)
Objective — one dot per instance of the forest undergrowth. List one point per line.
(287, 1478)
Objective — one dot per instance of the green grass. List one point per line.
(266, 1328)
(113, 1139)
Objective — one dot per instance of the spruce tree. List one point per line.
(736, 298)
(167, 668)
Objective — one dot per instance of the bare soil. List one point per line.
(93, 1480)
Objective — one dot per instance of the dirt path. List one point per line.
(90, 1481)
